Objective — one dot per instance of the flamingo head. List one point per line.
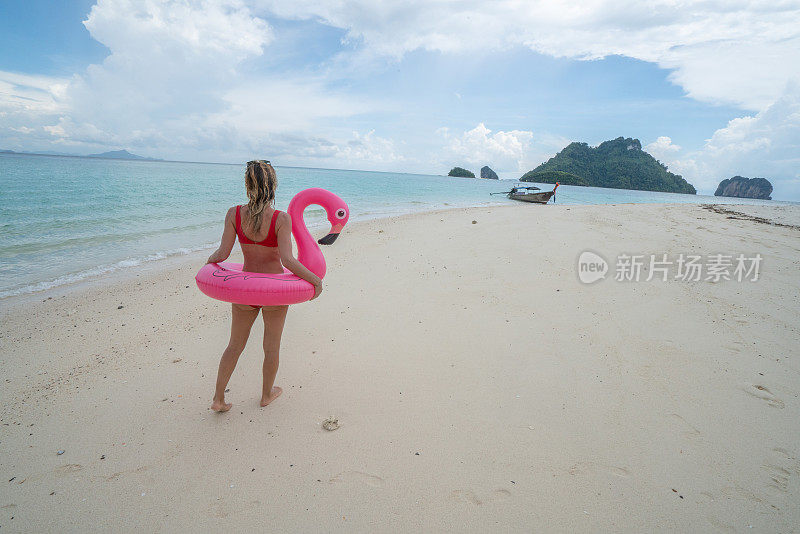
(338, 213)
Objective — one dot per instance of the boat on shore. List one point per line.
(530, 193)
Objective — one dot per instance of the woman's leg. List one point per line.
(274, 318)
(242, 321)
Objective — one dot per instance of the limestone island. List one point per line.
(618, 164)
(488, 173)
(741, 187)
(462, 173)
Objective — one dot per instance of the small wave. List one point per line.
(314, 211)
(101, 269)
(60, 243)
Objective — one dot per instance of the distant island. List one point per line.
(121, 154)
(618, 164)
(114, 154)
(462, 173)
(741, 187)
(488, 174)
(40, 153)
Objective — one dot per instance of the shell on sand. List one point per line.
(330, 424)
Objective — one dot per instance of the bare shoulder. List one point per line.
(284, 220)
(231, 212)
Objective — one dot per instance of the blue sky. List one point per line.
(414, 86)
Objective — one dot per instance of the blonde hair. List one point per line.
(260, 181)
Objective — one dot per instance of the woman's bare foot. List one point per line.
(274, 394)
(221, 406)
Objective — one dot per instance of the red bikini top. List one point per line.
(272, 237)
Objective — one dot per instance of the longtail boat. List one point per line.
(530, 193)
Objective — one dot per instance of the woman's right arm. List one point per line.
(227, 241)
(284, 230)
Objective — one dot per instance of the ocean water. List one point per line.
(65, 219)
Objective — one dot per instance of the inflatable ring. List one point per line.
(228, 282)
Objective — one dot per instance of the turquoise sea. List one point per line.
(65, 219)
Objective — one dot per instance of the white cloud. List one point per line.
(662, 148)
(766, 144)
(740, 53)
(734, 52)
(503, 151)
(27, 104)
(509, 153)
(169, 66)
(368, 148)
(176, 84)
(30, 93)
(268, 105)
(204, 31)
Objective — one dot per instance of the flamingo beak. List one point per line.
(331, 237)
(328, 239)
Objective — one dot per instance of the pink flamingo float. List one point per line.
(227, 282)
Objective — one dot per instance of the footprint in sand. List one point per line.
(68, 469)
(706, 497)
(761, 392)
(466, 496)
(358, 476)
(471, 497)
(735, 347)
(720, 524)
(778, 476)
(500, 494)
(582, 468)
(782, 469)
(739, 492)
(689, 430)
(118, 474)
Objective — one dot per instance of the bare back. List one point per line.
(259, 258)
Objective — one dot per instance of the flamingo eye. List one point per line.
(340, 213)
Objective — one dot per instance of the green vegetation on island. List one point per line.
(551, 177)
(618, 164)
(463, 173)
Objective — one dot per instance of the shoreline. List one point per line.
(177, 260)
(113, 273)
(477, 383)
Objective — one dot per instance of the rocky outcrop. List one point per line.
(741, 187)
(488, 173)
(463, 173)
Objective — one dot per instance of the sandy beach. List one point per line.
(478, 385)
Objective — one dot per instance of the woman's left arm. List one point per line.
(227, 242)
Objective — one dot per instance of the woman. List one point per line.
(265, 235)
